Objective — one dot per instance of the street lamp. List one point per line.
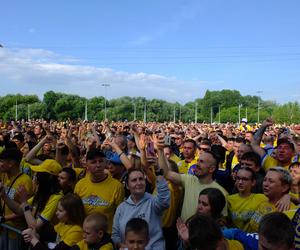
(105, 85)
(16, 114)
(258, 92)
(145, 112)
(134, 111)
(240, 105)
(174, 113)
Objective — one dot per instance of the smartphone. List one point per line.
(150, 152)
(167, 140)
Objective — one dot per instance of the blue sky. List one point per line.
(172, 50)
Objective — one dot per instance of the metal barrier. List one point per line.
(11, 228)
(7, 229)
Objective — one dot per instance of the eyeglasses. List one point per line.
(242, 179)
(204, 149)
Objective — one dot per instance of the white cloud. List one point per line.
(35, 71)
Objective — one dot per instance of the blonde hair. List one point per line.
(98, 221)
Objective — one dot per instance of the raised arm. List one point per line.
(73, 150)
(163, 163)
(255, 143)
(33, 152)
(123, 157)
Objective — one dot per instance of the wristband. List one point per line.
(121, 154)
(27, 208)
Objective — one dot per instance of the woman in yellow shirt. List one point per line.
(39, 210)
(70, 214)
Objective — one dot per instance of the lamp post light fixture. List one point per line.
(240, 105)
(258, 105)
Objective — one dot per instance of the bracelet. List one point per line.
(121, 154)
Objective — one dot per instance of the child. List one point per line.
(70, 213)
(95, 234)
(136, 234)
(67, 179)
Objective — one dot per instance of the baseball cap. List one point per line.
(93, 153)
(286, 141)
(114, 158)
(244, 120)
(48, 166)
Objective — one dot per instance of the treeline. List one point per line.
(216, 106)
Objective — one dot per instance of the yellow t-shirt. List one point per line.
(83, 246)
(22, 180)
(170, 215)
(241, 209)
(245, 128)
(266, 208)
(270, 162)
(234, 245)
(69, 234)
(186, 167)
(48, 213)
(175, 158)
(103, 197)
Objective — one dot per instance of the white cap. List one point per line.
(244, 120)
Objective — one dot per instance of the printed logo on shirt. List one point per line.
(11, 193)
(192, 168)
(141, 216)
(95, 201)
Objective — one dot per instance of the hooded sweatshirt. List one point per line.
(150, 208)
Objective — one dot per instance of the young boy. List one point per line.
(136, 234)
(95, 234)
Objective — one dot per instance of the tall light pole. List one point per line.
(16, 115)
(258, 108)
(174, 113)
(145, 112)
(219, 114)
(240, 105)
(179, 112)
(134, 111)
(85, 112)
(28, 112)
(105, 85)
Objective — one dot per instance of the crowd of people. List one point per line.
(136, 186)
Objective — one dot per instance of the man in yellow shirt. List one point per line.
(99, 191)
(276, 184)
(284, 152)
(189, 153)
